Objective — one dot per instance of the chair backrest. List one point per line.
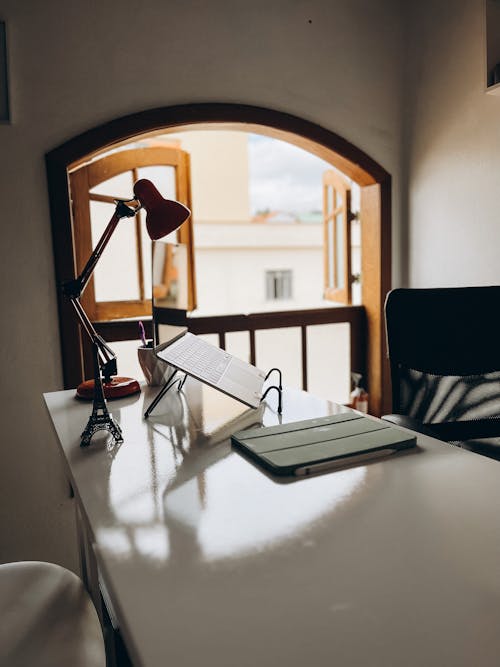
(444, 352)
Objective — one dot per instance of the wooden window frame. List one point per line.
(84, 178)
(336, 289)
(375, 209)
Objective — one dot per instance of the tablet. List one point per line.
(323, 443)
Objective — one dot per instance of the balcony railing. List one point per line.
(253, 322)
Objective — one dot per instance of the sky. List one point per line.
(283, 177)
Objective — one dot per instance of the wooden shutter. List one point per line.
(337, 238)
(83, 185)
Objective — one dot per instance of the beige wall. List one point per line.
(454, 167)
(227, 183)
(75, 65)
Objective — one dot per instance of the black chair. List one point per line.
(444, 352)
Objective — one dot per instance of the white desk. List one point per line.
(209, 561)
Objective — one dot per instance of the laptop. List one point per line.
(193, 355)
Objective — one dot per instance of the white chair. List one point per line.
(47, 619)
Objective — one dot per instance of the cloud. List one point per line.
(283, 177)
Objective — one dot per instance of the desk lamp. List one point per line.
(162, 217)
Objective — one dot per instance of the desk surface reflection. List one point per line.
(208, 560)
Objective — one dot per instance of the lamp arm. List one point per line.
(163, 216)
(107, 358)
(73, 289)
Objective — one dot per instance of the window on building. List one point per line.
(279, 284)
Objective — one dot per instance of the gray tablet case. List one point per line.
(312, 445)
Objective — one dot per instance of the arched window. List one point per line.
(374, 185)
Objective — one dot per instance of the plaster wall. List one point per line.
(219, 173)
(454, 149)
(76, 65)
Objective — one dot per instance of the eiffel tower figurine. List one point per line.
(100, 419)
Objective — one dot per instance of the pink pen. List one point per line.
(142, 334)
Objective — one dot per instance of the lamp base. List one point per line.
(117, 387)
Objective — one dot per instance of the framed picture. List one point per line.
(4, 80)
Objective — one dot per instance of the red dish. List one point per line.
(117, 387)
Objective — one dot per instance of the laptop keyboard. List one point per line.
(204, 360)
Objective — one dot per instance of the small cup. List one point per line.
(154, 369)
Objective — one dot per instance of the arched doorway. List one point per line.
(374, 182)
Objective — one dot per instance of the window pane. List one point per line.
(330, 194)
(119, 187)
(170, 275)
(331, 258)
(338, 199)
(339, 259)
(115, 276)
(328, 367)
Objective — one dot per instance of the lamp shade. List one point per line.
(163, 215)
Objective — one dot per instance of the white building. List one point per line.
(244, 265)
